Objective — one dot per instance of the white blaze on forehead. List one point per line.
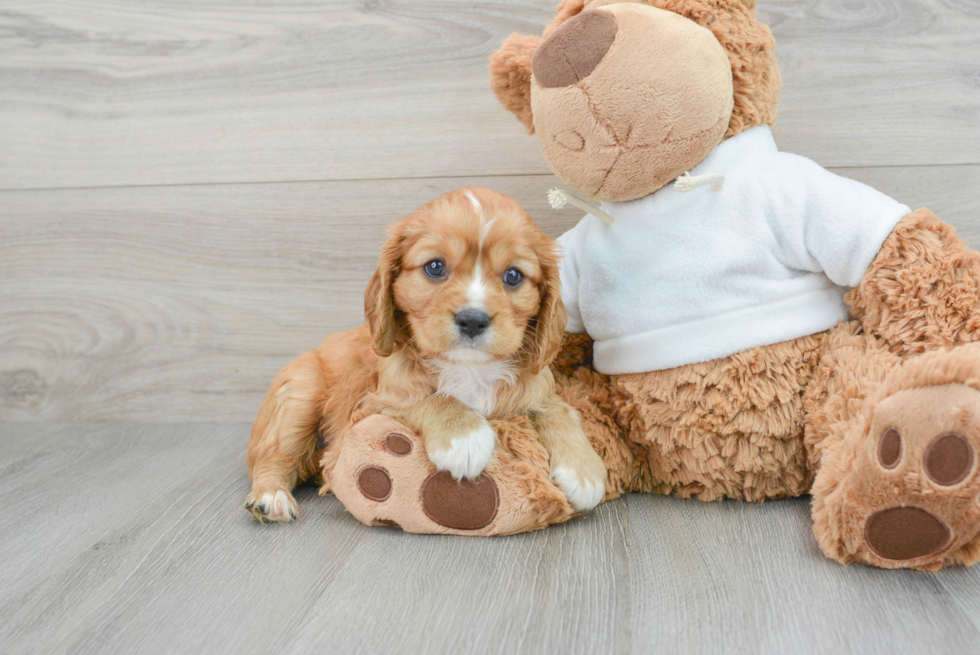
(474, 202)
(476, 293)
(485, 227)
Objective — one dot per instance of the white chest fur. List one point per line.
(473, 383)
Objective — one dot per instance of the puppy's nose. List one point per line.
(574, 49)
(472, 322)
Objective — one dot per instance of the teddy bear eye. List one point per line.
(513, 278)
(435, 269)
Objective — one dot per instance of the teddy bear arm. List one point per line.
(922, 290)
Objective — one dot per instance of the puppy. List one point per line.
(464, 314)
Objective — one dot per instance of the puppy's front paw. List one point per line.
(278, 505)
(584, 485)
(468, 454)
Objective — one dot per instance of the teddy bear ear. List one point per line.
(510, 76)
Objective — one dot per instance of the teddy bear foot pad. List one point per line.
(912, 498)
(384, 478)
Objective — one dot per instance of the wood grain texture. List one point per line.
(111, 92)
(242, 159)
(92, 477)
(173, 563)
(738, 580)
(181, 303)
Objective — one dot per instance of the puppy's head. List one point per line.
(469, 277)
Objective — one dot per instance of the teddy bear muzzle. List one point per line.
(574, 49)
(616, 146)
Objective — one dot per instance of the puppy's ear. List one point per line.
(379, 298)
(545, 335)
(510, 76)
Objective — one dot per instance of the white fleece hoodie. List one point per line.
(681, 278)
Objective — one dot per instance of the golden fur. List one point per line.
(392, 365)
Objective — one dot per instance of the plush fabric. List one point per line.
(510, 76)
(681, 278)
(931, 395)
(574, 50)
(923, 291)
(516, 481)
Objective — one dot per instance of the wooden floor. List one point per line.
(192, 192)
(128, 538)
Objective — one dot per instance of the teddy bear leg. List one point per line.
(380, 472)
(898, 484)
(727, 428)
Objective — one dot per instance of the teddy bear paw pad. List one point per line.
(904, 533)
(374, 483)
(384, 477)
(460, 505)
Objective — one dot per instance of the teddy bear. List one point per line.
(742, 323)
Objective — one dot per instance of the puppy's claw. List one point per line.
(468, 454)
(582, 491)
(279, 506)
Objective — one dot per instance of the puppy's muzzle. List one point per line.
(472, 323)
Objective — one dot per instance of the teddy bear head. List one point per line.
(626, 96)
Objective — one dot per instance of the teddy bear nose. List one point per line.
(574, 49)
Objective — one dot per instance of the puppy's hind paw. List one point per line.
(583, 492)
(278, 505)
(468, 453)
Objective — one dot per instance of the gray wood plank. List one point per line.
(69, 485)
(563, 589)
(883, 83)
(190, 573)
(737, 578)
(181, 303)
(184, 569)
(115, 93)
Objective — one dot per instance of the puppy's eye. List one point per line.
(513, 278)
(435, 269)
